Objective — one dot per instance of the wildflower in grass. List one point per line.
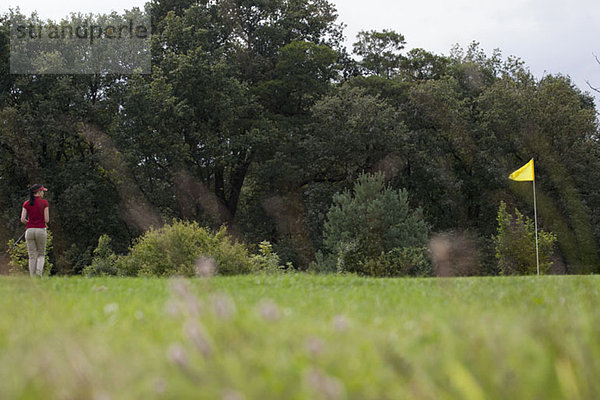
(233, 395)
(180, 288)
(326, 386)
(199, 337)
(269, 310)
(111, 308)
(314, 346)
(340, 323)
(172, 308)
(177, 355)
(223, 306)
(193, 306)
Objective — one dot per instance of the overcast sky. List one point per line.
(551, 36)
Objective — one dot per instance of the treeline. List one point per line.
(255, 115)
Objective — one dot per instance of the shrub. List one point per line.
(323, 263)
(267, 260)
(104, 261)
(407, 261)
(371, 221)
(515, 244)
(19, 258)
(175, 250)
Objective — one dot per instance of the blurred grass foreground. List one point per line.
(297, 336)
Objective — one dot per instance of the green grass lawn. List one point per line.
(300, 337)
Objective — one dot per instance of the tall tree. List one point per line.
(379, 51)
(227, 76)
(41, 141)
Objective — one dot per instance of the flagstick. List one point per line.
(537, 252)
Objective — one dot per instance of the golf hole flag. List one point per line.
(525, 173)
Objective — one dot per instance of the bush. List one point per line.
(323, 263)
(176, 249)
(515, 244)
(19, 258)
(407, 261)
(104, 261)
(267, 260)
(370, 222)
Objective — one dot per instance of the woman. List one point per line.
(36, 215)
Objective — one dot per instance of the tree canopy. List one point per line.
(255, 114)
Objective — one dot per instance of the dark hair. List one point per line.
(32, 190)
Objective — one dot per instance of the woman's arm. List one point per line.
(24, 215)
(47, 214)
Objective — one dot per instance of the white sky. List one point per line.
(551, 36)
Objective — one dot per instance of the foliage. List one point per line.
(178, 248)
(515, 244)
(379, 51)
(352, 131)
(420, 65)
(323, 264)
(372, 220)
(252, 104)
(267, 260)
(407, 261)
(302, 74)
(226, 74)
(104, 261)
(19, 259)
(43, 141)
(557, 125)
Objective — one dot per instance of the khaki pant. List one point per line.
(36, 247)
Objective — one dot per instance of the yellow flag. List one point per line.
(525, 173)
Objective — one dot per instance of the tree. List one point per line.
(227, 75)
(41, 140)
(419, 64)
(302, 74)
(594, 88)
(515, 244)
(351, 132)
(371, 221)
(555, 123)
(348, 132)
(379, 51)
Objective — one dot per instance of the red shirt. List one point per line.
(35, 213)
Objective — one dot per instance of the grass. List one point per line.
(300, 337)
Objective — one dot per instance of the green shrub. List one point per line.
(104, 261)
(407, 261)
(515, 244)
(19, 258)
(372, 220)
(323, 263)
(176, 249)
(267, 260)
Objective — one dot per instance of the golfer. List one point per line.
(36, 215)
